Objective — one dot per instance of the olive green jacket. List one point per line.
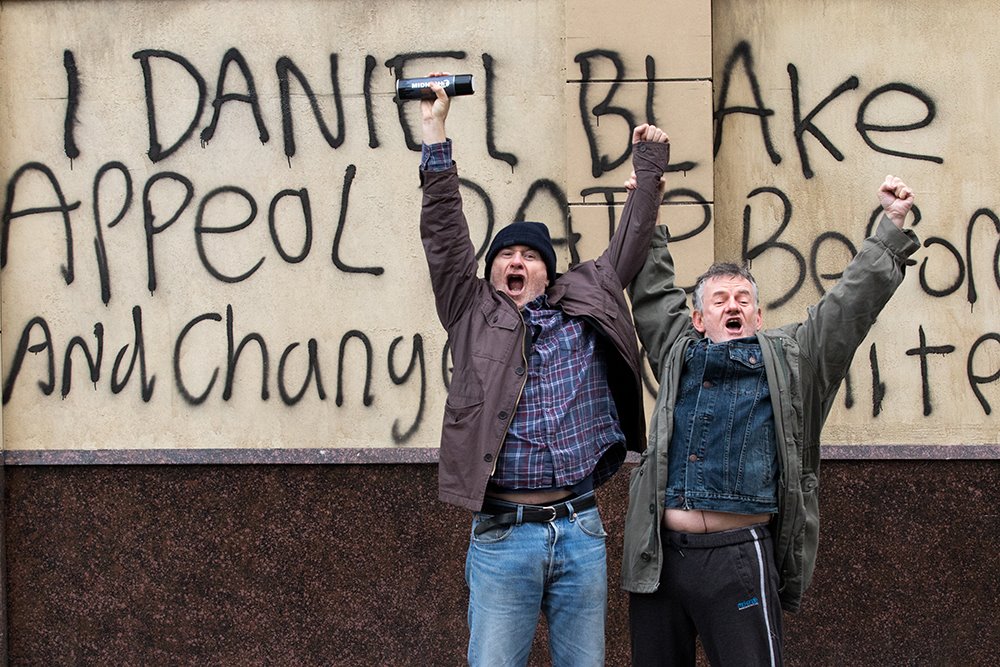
(805, 365)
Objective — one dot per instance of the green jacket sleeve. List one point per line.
(659, 307)
(839, 322)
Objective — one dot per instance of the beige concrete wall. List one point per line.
(558, 85)
(201, 275)
(926, 72)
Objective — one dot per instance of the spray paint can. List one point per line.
(417, 89)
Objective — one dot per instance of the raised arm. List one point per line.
(627, 249)
(839, 322)
(659, 307)
(444, 231)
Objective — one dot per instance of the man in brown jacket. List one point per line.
(544, 400)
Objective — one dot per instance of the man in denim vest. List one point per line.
(723, 517)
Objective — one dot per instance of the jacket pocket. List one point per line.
(641, 558)
(810, 526)
(463, 407)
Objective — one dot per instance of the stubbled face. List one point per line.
(519, 272)
(729, 309)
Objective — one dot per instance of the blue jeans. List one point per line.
(515, 572)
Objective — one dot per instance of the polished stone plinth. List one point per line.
(360, 565)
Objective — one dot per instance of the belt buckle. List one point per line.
(555, 513)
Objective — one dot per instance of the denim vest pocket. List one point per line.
(747, 357)
(758, 467)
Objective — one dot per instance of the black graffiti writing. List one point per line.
(294, 376)
(23, 347)
(149, 217)
(313, 372)
(156, 150)
(416, 362)
(94, 361)
(370, 65)
(72, 103)
(166, 197)
(302, 196)
(878, 386)
(865, 128)
(201, 230)
(332, 126)
(100, 250)
(742, 55)
(146, 382)
(251, 98)
(285, 67)
(491, 147)
(806, 124)
(974, 378)
(772, 243)
(557, 195)
(822, 239)
(923, 351)
(601, 163)
(480, 192)
(62, 207)
(803, 267)
(963, 266)
(802, 124)
(349, 175)
(366, 398)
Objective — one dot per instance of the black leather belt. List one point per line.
(505, 513)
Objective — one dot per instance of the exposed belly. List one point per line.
(705, 521)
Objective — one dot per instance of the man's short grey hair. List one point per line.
(723, 270)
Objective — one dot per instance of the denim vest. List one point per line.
(722, 455)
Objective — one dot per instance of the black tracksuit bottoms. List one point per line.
(721, 587)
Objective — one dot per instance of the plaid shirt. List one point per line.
(566, 418)
(436, 157)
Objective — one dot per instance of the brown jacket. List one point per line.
(486, 332)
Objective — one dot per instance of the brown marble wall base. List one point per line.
(360, 565)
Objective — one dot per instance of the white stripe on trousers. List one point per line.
(763, 593)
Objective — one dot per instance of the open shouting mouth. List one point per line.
(515, 284)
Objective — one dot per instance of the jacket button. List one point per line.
(707, 384)
(488, 458)
(645, 556)
(519, 370)
(652, 508)
(502, 415)
(753, 359)
(693, 458)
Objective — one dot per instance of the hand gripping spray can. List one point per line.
(417, 89)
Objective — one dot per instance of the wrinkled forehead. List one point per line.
(728, 285)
